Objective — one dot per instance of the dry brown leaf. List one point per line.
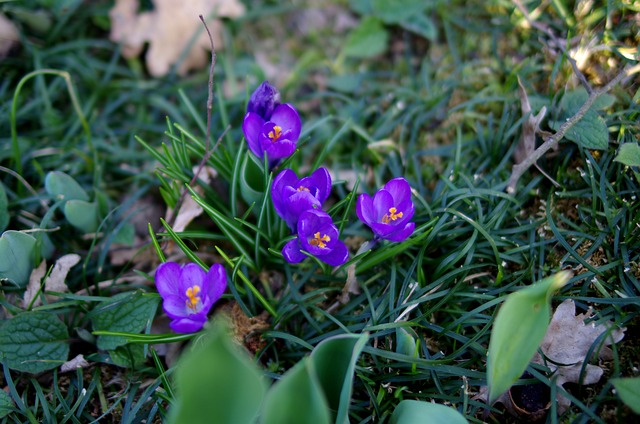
(56, 280)
(567, 343)
(9, 36)
(168, 29)
(190, 209)
(33, 287)
(527, 143)
(77, 362)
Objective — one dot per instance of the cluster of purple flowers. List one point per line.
(299, 203)
(272, 130)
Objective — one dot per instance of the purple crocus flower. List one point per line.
(318, 236)
(269, 126)
(292, 196)
(188, 293)
(264, 100)
(389, 212)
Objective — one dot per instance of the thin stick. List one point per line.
(207, 152)
(520, 168)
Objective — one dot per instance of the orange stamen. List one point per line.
(275, 134)
(391, 216)
(319, 241)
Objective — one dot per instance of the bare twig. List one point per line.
(549, 142)
(207, 153)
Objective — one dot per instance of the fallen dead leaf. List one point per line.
(566, 344)
(9, 36)
(33, 287)
(169, 29)
(77, 362)
(565, 347)
(190, 209)
(530, 126)
(56, 280)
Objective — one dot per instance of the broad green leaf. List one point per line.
(334, 361)
(405, 342)
(573, 100)
(417, 412)
(126, 234)
(4, 209)
(518, 330)
(297, 398)
(395, 11)
(590, 132)
(83, 215)
(34, 342)
(6, 404)
(128, 356)
(421, 25)
(629, 154)
(61, 185)
(217, 382)
(251, 180)
(629, 391)
(17, 255)
(368, 39)
(126, 312)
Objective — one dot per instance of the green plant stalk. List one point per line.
(156, 245)
(15, 148)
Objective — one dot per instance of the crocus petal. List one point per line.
(382, 229)
(291, 252)
(186, 325)
(322, 180)
(175, 307)
(280, 149)
(286, 178)
(407, 210)
(382, 202)
(299, 203)
(364, 209)
(399, 189)
(252, 128)
(402, 234)
(288, 119)
(191, 275)
(311, 220)
(215, 283)
(264, 100)
(337, 256)
(168, 279)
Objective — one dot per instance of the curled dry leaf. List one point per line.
(9, 36)
(530, 126)
(190, 209)
(33, 287)
(77, 362)
(168, 29)
(566, 344)
(55, 282)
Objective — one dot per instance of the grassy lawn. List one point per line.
(514, 123)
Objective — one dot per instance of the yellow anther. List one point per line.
(319, 241)
(391, 216)
(194, 298)
(302, 188)
(275, 134)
